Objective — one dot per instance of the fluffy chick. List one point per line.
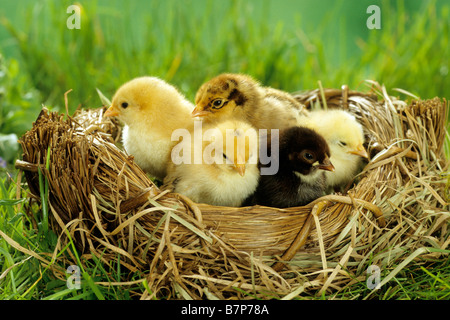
(303, 157)
(345, 138)
(228, 173)
(238, 96)
(151, 109)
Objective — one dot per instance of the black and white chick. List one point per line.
(345, 137)
(303, 157)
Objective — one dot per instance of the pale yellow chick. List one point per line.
(228, 170)
(150, 109)
(345, 137)
(240, 97)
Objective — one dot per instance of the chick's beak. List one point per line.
(360, 151)
(111, 112)
(197, 112)
(240, 168)
(326, 165)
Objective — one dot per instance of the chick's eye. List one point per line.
(218, 103)
(124, 105)
(342, 143)
(308, 156)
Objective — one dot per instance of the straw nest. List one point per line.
(395, 212)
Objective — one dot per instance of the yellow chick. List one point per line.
(223, 171)
(150, 109)
(240, 97)
(345, 137)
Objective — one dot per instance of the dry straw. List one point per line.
(395, 214)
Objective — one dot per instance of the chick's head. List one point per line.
(306, 150)
(234, 146)
(225, 96)
(142, 98)
(344, 134)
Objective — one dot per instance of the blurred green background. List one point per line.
(288, 44)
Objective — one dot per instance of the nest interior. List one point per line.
(395, 212)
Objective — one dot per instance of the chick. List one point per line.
(228, 172)
(303, 157)
(345, 138)
(151, 109)
(238, 96)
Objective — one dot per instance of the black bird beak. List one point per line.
(326, 165)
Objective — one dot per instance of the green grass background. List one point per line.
(288, 44)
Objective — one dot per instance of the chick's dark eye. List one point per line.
(218, 103)
(124, 105)
(308, 156)
(342, 143)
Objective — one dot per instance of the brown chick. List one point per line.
(151, 110)
(228, 169)
(303, 156)
(240, 97)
